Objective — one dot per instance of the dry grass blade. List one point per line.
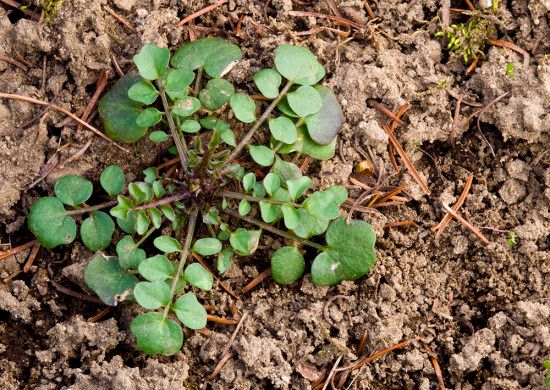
(118, 69)
(101, 84)
(220, 320)
(254, 282)
(77, 155)
(406, 160)
(511, 46)
(481, 111)
(391, 194)
(438, 229)
(362, 343)
(366, 360)
(46, 169)
(64, 111)
(20, 248)
(371, 14)
(121, 19)
(437, 369)
(400, 224)
(102, 313)
(343, 21)
(225, 355)
(393, 126)
(384, 110)
(10, 60)
(471, 227)
(201, 12)
(32, 256)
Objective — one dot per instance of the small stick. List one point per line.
(222, 284)
(438, 229)
(10, 60)
(121, 19)
(371, 14)
(400, 223)
(437, 369)
(32, 256)
(359, 184)
(393, 126)
(471, 227)
(225, 355)
(116, 65)
(362, 343)
(101, 84)
(101, 314)
(168, 163)
(220, 320)
(470, 5)
(511, 46)
(46, 169)
(345, 22)
(16, 250)
(406, 160)
(445, 13)
(201, 12)
(254, 282)
(480, 112)
(452, 133)
(392, 193)
(333, 7)
(332, 372)
(473, 64)
(68, 291)
(64, 111)
(6, 280)
(384, 110)
(366, 360)
(77, 155)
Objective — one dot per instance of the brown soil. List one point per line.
(483, 310)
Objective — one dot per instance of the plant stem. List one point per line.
(100, 206)
(274, 230)
(160, 202)
(237, 195)
(246, 139)
(178, 140)
(197, 82)
(183, 257)
(145, 236)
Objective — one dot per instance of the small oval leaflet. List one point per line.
(152, 295)
(262, 155)
(198, 276)
(268, 82)
(207, 246)
(97, 230)
(156, 268)
(156, 335)
(148, 117)
(244, 107)
(152, 61)
(283, 129)
(49, 222)
(73, 190)
(287, 265)
(298, 64)
(112, 180)
(190, 312)
(304, 101)
(167, 244)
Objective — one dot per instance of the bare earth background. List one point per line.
(483, 310)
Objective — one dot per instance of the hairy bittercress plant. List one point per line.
(186, 99)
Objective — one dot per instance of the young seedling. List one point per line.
(546, 365)
(185, 98)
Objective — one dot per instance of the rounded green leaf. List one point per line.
(148, 117)
(304, 101)
(342, 261)
(159, 136)
(291, 216)
(128, 225)
(216, 93)
(305, 145)
(190, 312)
(309, 224)
(244, 207)
(262, 155)
(186, 106)
(325, 124)
(157, 335)
(244, 107)
(144, 92)
(176, 82)
(245, 242)
(270, 212)
(190, 126)
(129, 255)
(73, 190)
(271, 183)
(286, 170)
(248, 181)
(326, 204)
(283, 129)
(298, 64)
(268, 82)
(108, 279)
(217, 56)
(119, 112)
(50, 224)
(112, 180)
(156, 268)
(207, 246)
(297, 187)
(287, 265)
(167, 244)
(97, 230)
(198, 276)
(152, 61)
(152, 295)
(223, 262)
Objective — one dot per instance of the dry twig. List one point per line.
(438, 229)
(254, 282)
(337, 19)
(32, 256)
(225, 355)
(101, 84)
(437, 369)
(20, 248)
(201, 12)
(471, 227)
